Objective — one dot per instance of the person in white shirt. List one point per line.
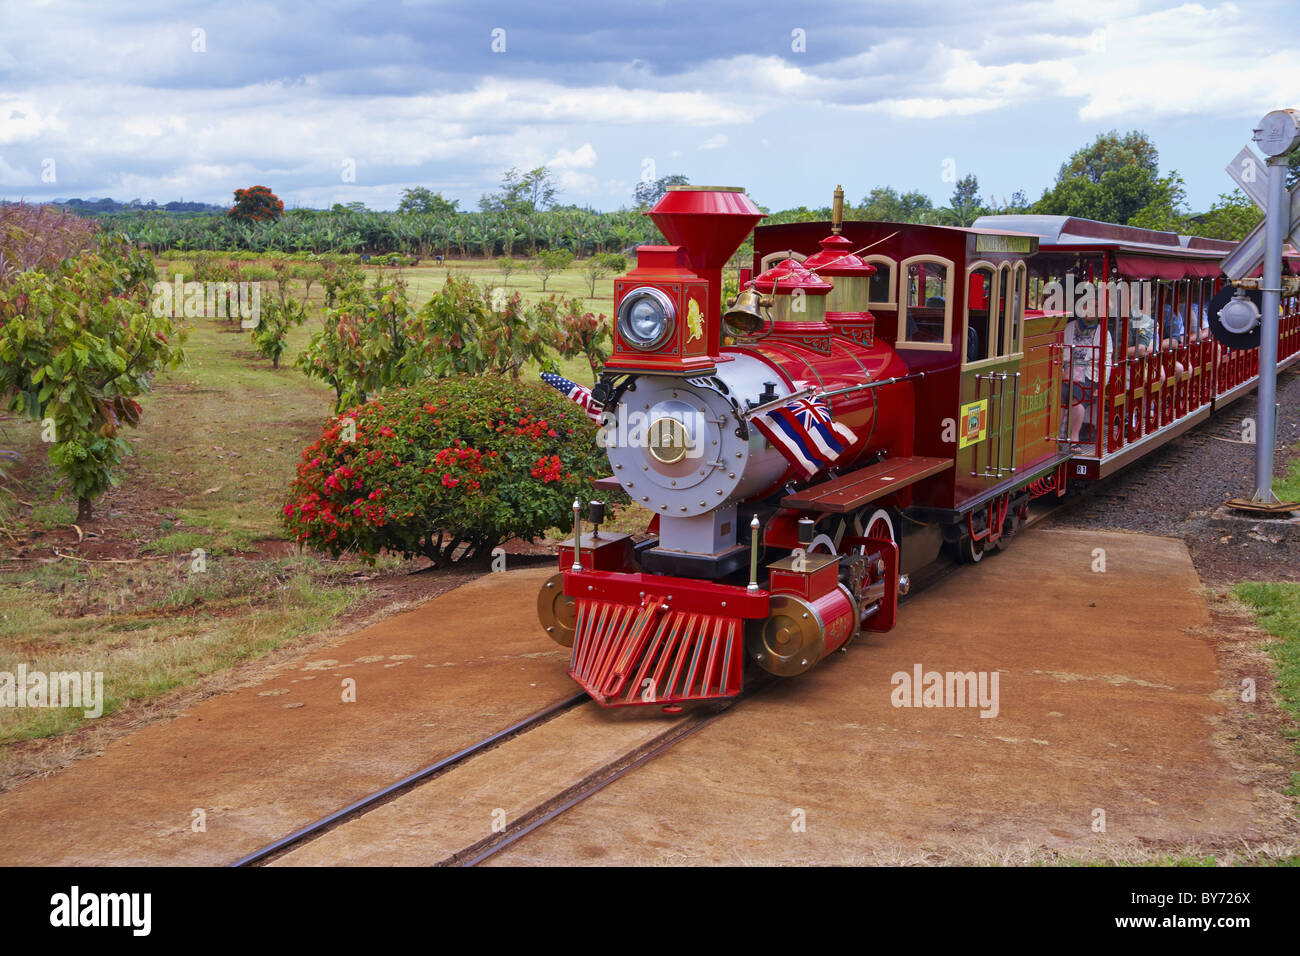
(1083, 340)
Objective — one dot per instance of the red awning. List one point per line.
(1151, 267)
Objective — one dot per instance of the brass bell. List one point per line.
(747, 313)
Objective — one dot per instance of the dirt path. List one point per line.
(263, 760)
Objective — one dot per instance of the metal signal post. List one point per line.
(1266, 431)
(1277, 135)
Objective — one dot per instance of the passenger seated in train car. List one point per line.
(1083, 340)
(1176, 329)
(1141, 334)
(1176, 326)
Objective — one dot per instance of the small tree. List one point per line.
(600, 265)
(278, 316)
(1231, 216)
(360, 346)
(422, 200)
(551, 261)
(78, 344)
(461, 331)
(506, 265)
(582, 333)
(255, 204)
(309, 273)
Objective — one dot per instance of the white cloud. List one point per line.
(584, 157)
(716, 141)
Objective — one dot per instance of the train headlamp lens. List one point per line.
(645, 318)
(1239, 315)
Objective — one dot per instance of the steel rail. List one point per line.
(358, 807)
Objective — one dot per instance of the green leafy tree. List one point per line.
(418, 199)
(1167, 209)
(359, 348)
(256, 204)
(79, 343)
(885, 204)
(271, 335)
(551, 261)
(1114, 179)
(1111, 151)
(1017, 204)
(966, 205)
(649, 192)
(601, 264)
(582, 333)
(522, 193)
(465, 329)
(1231, 216)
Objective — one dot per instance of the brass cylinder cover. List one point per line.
(790, 641)
(557, 611)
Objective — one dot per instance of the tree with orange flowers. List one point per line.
(255, 204)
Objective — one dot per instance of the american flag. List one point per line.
(804, 432)
(573, 392)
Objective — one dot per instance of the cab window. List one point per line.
(1016, 308)
(925, 293)
(880, 287)
(981, 291)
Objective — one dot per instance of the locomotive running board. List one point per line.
(850, 492)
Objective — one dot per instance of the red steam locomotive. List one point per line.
(889, 392)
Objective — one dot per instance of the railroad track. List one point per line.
(550, 809)
(406, 784)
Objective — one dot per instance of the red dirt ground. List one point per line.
(1118, 692)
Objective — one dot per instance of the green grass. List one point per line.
(181, 542)
(1287, 488)
(1277, 607)
(156, 628)
(54, 514)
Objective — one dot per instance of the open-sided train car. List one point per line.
(1157, 368)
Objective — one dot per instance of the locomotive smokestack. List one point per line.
(710, 222)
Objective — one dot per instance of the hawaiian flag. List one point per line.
(804, 432)
(573, 392)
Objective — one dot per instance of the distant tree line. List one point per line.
(1116, 178)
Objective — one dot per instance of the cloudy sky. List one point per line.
(330, 101)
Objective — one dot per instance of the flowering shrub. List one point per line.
(448, 469)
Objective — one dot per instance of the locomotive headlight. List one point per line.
(645, 318)
(1239, 315)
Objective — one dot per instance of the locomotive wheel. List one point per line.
(970, 551)
(879, 525)
(1010, 526)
